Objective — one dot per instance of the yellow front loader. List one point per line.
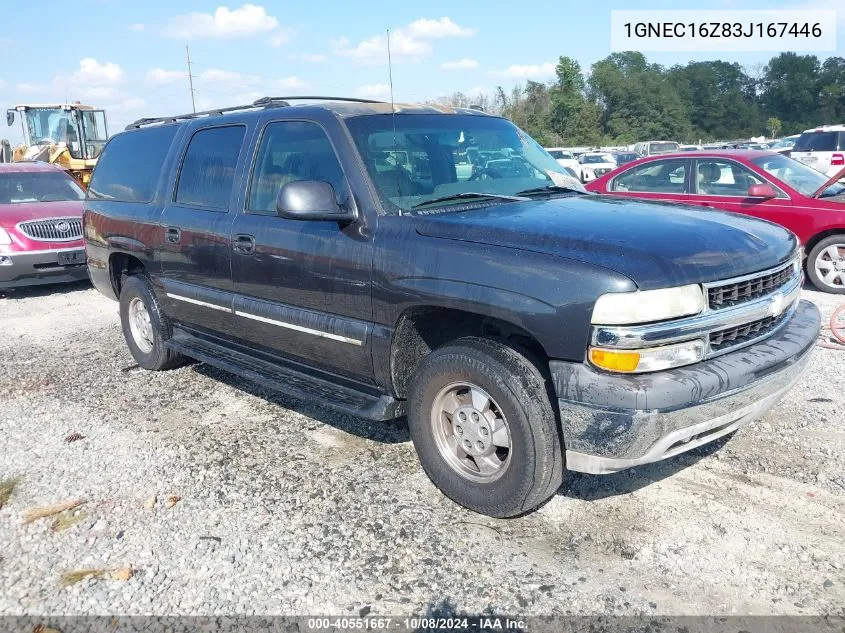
(69, 135)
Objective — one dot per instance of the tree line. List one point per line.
(625, 99)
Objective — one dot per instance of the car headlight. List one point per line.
(627, 308)
(4, 237)
(649, 359)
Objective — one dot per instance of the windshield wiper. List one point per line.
(549, 189)
(470, 195)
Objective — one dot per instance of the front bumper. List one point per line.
(612, 421)
(29, 268)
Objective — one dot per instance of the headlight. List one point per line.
(648, 359)
(4, 237)
(626, 308)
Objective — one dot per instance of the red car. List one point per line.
(40, 226)
(764, 184)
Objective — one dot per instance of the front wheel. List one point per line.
(826, 264)
(484, 429)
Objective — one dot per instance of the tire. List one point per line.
(823, 260)
(530, 471)
(146, 343)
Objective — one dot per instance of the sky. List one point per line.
(129, 57)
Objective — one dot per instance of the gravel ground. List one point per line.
(267, 505)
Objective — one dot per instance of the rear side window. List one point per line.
(208, 170)
(662, 176)
(129, 168)
(817, 142)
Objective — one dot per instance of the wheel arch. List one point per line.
(121, 264)
(423, 328)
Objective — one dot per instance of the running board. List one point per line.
(288, 380)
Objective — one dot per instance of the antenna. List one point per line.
(392, 107)
(390, 70)
(191, 80)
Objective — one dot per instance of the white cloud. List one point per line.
(527, 71)
(477, 91)
(460, 64)
(130, 104)
(162, 76)
(247, 21)
(29, 88)
(91, 72)
(137, 27)
(278, 39)
(436, 29)
(228, 76)
(305, 57)
(407, 43)
(95, 93)
(373, 91)
(290, 83)
(248, 97)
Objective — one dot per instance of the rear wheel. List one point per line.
(145, 327)
(484, 428)
(826, 264)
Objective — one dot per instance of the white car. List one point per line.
(565, 158)
(595, 164)
(822, 148)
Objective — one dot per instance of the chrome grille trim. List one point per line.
(780, 303)
(742, 289)
(47, 230)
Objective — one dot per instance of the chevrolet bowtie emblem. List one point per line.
(776, 306)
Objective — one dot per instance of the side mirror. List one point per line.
(311, 200)
(10, 117)
(762, 190)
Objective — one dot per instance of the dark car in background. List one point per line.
(623, 158)
(40, 226)
(763, 184)
(525, 327)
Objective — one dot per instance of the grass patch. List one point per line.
(7, 487)
(67, 520)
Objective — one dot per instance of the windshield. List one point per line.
(415, 158)
(596, 158)
(556, 153)
(662, 148)
(803, 179)
(19, 187)
(52, 125)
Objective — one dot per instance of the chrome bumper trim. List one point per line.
(708, 421)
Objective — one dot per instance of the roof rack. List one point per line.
(263, 102)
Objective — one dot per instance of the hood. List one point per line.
(656, 245)
(11, 214)
(840, 175)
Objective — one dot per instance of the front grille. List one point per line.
(53, 230)
(723, 339)
(732, 294)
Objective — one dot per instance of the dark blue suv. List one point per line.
(438, 263)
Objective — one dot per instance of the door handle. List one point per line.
(244, 244)
(172, 234)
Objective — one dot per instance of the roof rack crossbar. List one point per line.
(263, 102)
